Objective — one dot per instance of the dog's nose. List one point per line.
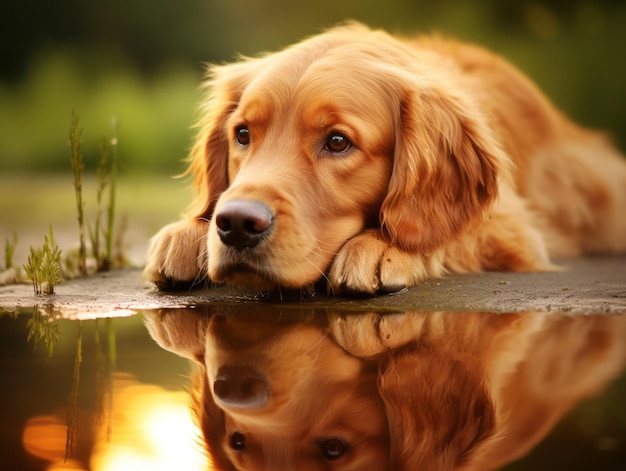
(242, 224)
(241, 387)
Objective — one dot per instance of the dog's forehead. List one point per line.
(344, 71)
(279, 75)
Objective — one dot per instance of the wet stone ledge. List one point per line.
(586, 286)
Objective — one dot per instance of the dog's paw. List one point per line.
(370, 334)
(177, 256)
(368, 264)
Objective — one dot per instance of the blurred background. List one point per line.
(140, 62)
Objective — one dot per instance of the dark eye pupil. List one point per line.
(337, 143)
(238, 441)
(243, 135)
(333, 448)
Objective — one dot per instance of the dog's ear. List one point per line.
(211, 420)
(208, 159)
(446, 167)
(178, 331)
(437, 407)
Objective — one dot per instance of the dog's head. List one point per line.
(291, 398)
(279, 394)
(285, 395)
(300, 150)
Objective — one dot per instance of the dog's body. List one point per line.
(378, 162)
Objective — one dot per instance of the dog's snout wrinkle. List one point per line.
(240, 387)
(243, 224)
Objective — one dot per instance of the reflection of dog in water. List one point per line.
(406, 391)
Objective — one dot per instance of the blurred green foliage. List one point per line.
(154, 115)
(141, 62)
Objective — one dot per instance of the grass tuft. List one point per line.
(44, 266)
(106, 172)
(72, 414)
(78, 166)
(108, 233)
(9, 251)
(43, 327)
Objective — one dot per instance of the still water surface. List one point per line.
(297, 386)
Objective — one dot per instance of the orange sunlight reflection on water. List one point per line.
(151, 429)
(148, 428)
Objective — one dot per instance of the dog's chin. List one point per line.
(244, 275)
(247, 276)
(253, 276)
(253, 282)
(254, 269)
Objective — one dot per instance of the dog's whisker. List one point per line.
(322, 273)
(316, 345)
(202, 261)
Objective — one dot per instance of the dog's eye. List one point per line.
(338, 143)
(238, 441)
(333, 448)
(242, 134)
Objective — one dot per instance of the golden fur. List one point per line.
(456, 163)
(432, 391)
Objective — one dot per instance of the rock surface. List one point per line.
(586, 286)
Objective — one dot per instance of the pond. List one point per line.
(490, 371)
(311, 385)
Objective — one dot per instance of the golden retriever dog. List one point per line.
(275, 392)
(374, 162)
(284, 390)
